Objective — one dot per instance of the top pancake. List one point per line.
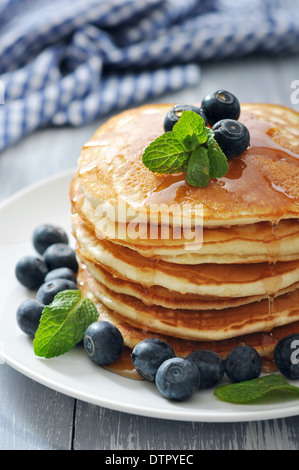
(262, 184)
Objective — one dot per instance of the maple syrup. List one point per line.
(124, 366)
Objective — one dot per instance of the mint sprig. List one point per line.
(63, 323)
(250, 390)
(190, 147)
(166, 154)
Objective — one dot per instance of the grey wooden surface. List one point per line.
(33, 417)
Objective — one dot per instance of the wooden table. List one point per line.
(33, 417)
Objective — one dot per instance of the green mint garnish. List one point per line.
(166, 154)
(218, 161)
(198, 169)
(190, 147)
(249, 390)
(63, 323)
(190, 130)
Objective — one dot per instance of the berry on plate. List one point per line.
(31, 271)
(60, 255)
(103, 342)
(210, 367)
(47, 234)
(48, 290)
(243, 362)
(177, 379)
(28, 316)
(286, 356)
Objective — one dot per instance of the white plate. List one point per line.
(73, 373)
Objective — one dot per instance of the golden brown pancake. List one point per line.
(156, 295)
(262, 184)
(228, 280)
(263, 241)
(203, 325)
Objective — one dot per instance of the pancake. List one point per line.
(203, 325)
(262, 184)
(202, 268)
(156, 295)
(254, 243)
(229, 280)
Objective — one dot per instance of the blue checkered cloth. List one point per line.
(68, 62)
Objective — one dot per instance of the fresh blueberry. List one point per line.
(61, 273)
(28, 316)
(243, 363)
(210, 367)
(103, 342)
(45, 235)
(31, 271)
(60, 255)
(175, 113)
(148, 355)
(232, 136)
(48, 290)
(177, 379)
(286, 356)
(220, 105)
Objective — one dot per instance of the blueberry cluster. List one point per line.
(220, 111)
(179, 378)
(53, 270)
(176, 378)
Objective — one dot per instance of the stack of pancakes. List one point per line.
(202, 268)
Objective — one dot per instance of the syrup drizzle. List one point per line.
(124, 366)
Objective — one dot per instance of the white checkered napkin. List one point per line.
(67, 62)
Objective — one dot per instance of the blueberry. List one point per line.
(60, 255)
(28, 316)
(232, 136)
(210, 367)
(48, 290)
(286, 356)
(177, 379)
(243, 363)
(148, 355)
(175, 113)
(31, 271)
(103, 342)
(61, 273)
(220, 105)
(45, 235)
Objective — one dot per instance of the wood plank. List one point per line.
(102, 429)
(32, 416)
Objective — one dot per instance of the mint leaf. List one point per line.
(63, 323)
(249, 390)
(166, 154)
(198, 168)
(218, 161)
(190, 130)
